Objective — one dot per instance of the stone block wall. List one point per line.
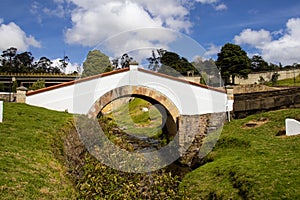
(192, 130)
(254, 77)
(241, 89)
(5, 96)
(251, 103)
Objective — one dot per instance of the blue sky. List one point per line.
(53, 28)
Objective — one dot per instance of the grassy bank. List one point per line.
(135, 121)
(247, 162)
(250, 162)
(289, 82)
(31, 154)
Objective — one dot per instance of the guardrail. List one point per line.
(37, 74)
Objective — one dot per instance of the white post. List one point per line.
(1, 111)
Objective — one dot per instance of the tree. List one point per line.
(95, 63)
(64, 63)
(174, 65)
(43, 65)
(8, 59)
(9, 54)
(259, 64)
(125, 60)
(115, 63)
(233, 61)
(154, 61)
(37, 85)
(274, 78)
(210, 75)
(24, 62)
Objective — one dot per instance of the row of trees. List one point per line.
(161, 61)
(14, 62)
(232, 62)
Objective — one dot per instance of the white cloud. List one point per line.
(96, 21)
(253, 38)
(212, 50)
(220, 7)
(58, 12)
(13, 36)
(207, 1)
(284, 49)
(71, 67)
(215, 3)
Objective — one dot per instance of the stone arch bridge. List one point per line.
(192, 109)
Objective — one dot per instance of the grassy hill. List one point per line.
(31, 154)
(135, 120)
(250, 162)
(289, 82)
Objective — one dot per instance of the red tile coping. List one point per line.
(29, 93)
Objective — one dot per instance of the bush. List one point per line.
(94, 180)
(37, 85)
(102, 182)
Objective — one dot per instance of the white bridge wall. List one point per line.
(79, 97)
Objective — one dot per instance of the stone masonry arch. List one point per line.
(170, 126)
(128, 90)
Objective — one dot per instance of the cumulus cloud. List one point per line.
(95, 21)
(207, 1)
(121, 26)
(215, 3)
(254, 38)
(13, 36)
(71, 67)
(58, 12)
(212, 50)
(284, 49)
(221, 6)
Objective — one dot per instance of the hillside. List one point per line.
(250, 161)
(289, 82)
(31, 154)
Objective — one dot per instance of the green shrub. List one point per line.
(37, 85)
(102, 182)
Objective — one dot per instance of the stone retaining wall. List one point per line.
(251, 103)
(6, 96)
(254, 77)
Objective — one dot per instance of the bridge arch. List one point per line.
(135, 91)
(153, 96)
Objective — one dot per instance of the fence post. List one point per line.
(21, 94)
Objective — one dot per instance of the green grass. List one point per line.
(289, 82)
(250, 163)
(137, 122)
(31, 154)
